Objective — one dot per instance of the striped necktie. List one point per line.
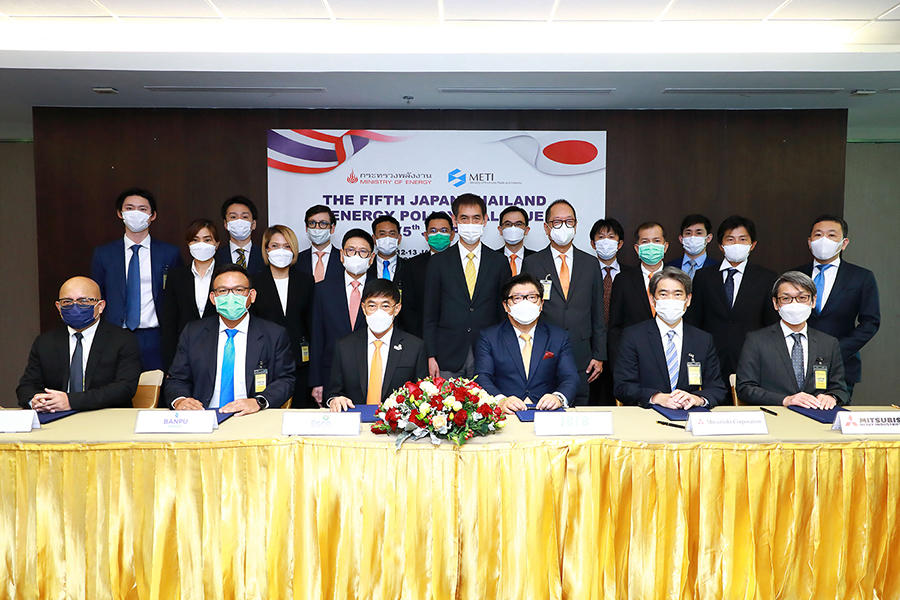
(672, 360)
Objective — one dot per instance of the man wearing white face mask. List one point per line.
(239, 214)
(526, 360)
(513, 228)
(132, 274)
(734, 300)
(316, 260)
(387, 263)
(789, 363)
(391, 355)
(696, 234)
(664, 361)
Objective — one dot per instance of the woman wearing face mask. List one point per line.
(284, 296)
(186, 296)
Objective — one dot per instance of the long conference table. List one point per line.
(89, 509)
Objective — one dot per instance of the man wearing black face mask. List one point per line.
(86, 365)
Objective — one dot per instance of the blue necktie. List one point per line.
(226, 387)
(386, 274)
(729, 287)
(672, 361)
(692, 268)
(133, 290)
(76, 368)
(820, 286)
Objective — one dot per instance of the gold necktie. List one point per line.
(373, 396)
(471, 274)
(526, 352)
(242, 260)
(564, 275)
(512, 264)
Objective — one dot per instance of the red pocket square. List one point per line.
(548, 354)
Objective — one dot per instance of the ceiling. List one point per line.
(494, 54)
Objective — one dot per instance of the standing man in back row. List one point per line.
(696, 234)
(239, 217)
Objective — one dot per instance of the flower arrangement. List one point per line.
(455, 409)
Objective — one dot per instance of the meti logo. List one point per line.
(352, 178)
(456, 177)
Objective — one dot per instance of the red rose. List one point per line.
(485, 410)
(379, 428)
(392, 416)
(497, 412)
(460, 418)
(438, 382)
(460, 394)
(413, 389)
(436, 402)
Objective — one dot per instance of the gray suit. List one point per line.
(765, 374)
(581, 314)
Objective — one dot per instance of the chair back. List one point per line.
(147, 394)
(732, 381)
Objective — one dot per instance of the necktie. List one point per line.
(820, 286)
(526, 352)
(242, 260)
(564, 275)
(319, 271)
(471, 275)
(133, 290)
(226, 385)
(386, 273)
(355, 299)
(607, 291)
(797, 359)
(373, 396)
(649, 297)
(672, 360)
(76, 368)
(692, 268)
(512, 264)
(729, 287)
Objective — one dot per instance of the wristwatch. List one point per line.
(263, 403)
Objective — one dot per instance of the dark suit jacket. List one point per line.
(193, 371)
(729, 325)
(255, 263)
(178, 309)
(108, 270)
(852, 313)
(711, 262)
(452, 321)
(350, 371)
(334, 269)
(640, 370)
(765, 374)
(500, 370)
(414, 274)
(628, 305)
(330, 322)
(581, 314)
(110, 378)
(298, 318)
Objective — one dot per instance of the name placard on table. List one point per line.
(860, 423)
(573, 423)
(728, 423)
(183, 421)
(18, 421)
(321, 423)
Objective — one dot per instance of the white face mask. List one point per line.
(356, 265)
(824, 248)
(379, 321)
(737, 252)
(202, 251)
(135, 220)
(670, 310)
(280, 258)
(693, 244)
(512, 235)
(525, 312)
(239, 229)
(606, 248)
(470, 232)
(563, 235)
(386, 246)
(318, 236)
(795, 313)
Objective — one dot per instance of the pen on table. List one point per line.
(670, 424)
(766, 410)
(895, 406)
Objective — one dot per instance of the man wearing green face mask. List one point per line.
(439, 235)
(231, 361)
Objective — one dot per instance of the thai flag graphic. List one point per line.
(555, 155)
(311, 151)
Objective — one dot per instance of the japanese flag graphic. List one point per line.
(555, 155)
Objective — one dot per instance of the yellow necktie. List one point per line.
(564, 275)
(512, 264)
(471, 275)
(526, 352)
(242, 259)
(373, 396)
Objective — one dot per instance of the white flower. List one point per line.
(501, 424)
(457, 405)
(428, 387)
(448, 401)
(439, 421)
(424, 409)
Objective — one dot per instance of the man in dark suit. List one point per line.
(847, 305)
(375, 360)
(239, 214)
(232, 362)
(321, 259)
(132, 273)
(789, 363)
(513, 228)
(438, 234)
(86, 365)
(696, 234)
(526, 360)
(574, 300)
(735, 299)
(463, 288)
(337, 307)
(664, 360)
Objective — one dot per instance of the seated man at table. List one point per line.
(789, 363)
(232, 361)
(664, 360)
(87, 364)
(525, 359)
(390, 355)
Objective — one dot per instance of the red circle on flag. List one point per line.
(571, 152)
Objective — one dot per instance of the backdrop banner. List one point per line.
(362, 174)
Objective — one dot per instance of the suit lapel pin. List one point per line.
(398, 347)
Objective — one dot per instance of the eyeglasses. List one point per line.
(82, 302)
(516, 298)
(239, 290)
(318, 224)
(519, 224)
(802, 299)
(372, 306)
(557, 223)
(360, 252)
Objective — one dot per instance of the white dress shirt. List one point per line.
(385, 347)
(520, 254)
(557, 261)
(647, 275)
(348, 286)
(148, 309)
(240, 360)
(830, 274)
(614, 269)
(392, 265)
(530, 333)
(315, 257)
(664, 329)
(281, 286)
(201, 285)
(789, 342)
(723, 268)
(87, 338)
(234, 251)
(463, 255)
